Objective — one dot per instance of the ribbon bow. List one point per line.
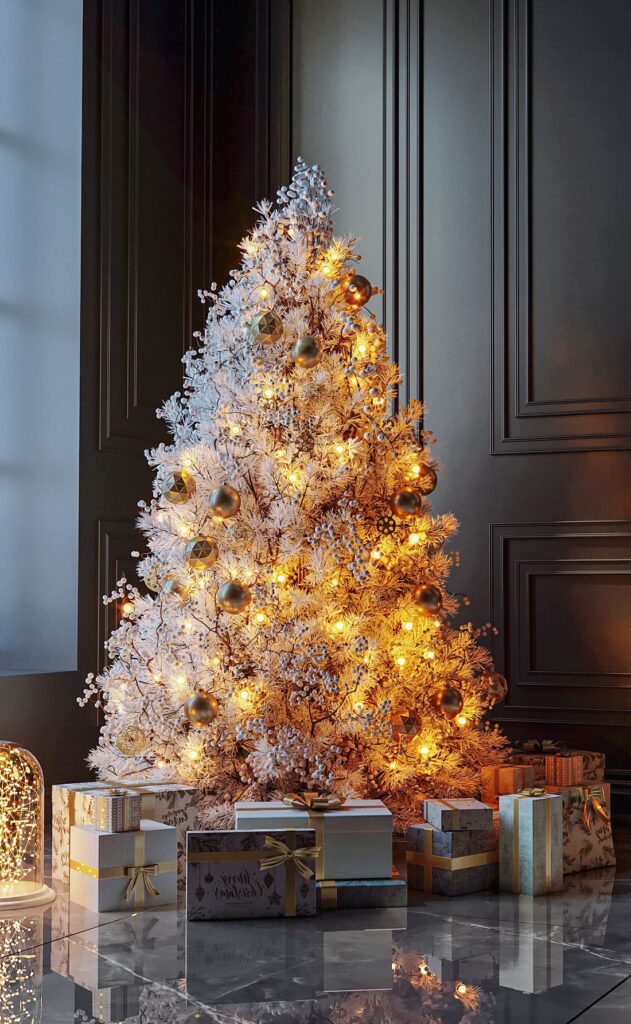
(539, 746)
(139, 878)
(281, 853)
(593, 805)
(533, 791)
(312, 800)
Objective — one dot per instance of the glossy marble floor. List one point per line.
(481, 959)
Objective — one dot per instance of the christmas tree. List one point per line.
(297, 631)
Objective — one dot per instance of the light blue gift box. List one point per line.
(531, 843)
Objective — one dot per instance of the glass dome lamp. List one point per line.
(21, 830)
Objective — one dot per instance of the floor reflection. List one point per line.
(482, 959)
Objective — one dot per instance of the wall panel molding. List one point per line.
(522, 422)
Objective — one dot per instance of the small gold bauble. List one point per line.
(406, 502)
(201, 708)
(233, 597)
(172, 586)
(496, 686)
(266, 327)
(306, 352)
(225, 502)
(131, 740)
(427, 598)
(448, 701)
(201, 553)
(178, 488)
(358, 290)
(406, 724)
(427, 480)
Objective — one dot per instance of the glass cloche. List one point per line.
(21, 829)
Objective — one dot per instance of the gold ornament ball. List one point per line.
(233, 597)
(427, 598)
(427, 480)
(131, 741)
(266, 327)
(225, 502)
(178, 488)
(201, 553)
(496, 686)
(201, 708)
(406, 503)
(448, 701)
(358, 291)
(306, 352)
(406, 725)
(173, 587)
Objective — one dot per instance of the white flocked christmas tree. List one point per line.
(297, 633)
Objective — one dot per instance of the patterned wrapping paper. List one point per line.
(531, 843)
(592, 770)
(123, 871)
(364, 894)
(587, 832)
(586, 906)
(261, 873)
(451, 863)
(75, 804)
(564, 769)
(356, 840)
(117, 810)
(504, 779)
(457, 814)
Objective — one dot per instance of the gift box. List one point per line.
(587, 833)
(565, 769)
(117, 810)
(109, 1005)
(586, 906)
(531, 946)
(123, 870)
(355, 839)
(471, 970)
(536, 754)
(451, 863)
(531, 842)
(497, 780)
(75, 804)
(362, 894)
(457, 815)
(267, 873)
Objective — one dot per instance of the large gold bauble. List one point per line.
(172, 586)
(406, 502)
(448, 701)
(496, 686)
(201, 553)
(233, 597)
(427, 480)
(225, 502)
(306, 352)
(357, 291)
(178, 488)
(131, 741)
(406, 724)
(201, 708)
(266, 327)
(427, 598)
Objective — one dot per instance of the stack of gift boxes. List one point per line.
(455, 850)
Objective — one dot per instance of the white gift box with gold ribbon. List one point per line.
(76, 804)
(123, 870)
(356, 838)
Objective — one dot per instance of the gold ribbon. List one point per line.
(539, 746)
(428, 860)
(282, 853)
(529, 794)
(312, 800)
(594, 805)
(140, 883)
(328, 894)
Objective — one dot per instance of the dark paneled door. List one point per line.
(527, 344)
